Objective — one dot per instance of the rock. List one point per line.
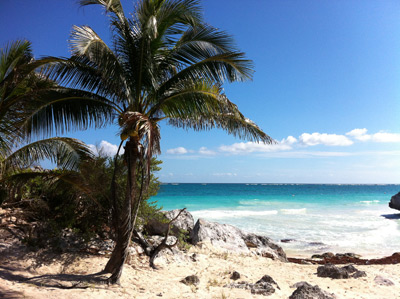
(317, 256)
(395, 202)
(156, 240)
(184, 222)
(159, 225)
(359, 274)
(379, 280)
(328, 255)
(235, 275)
(299, 284)
(287, 240)
(191, 280)
(334, 272)
(263, 288)
(265, 247)
(268, 279)
(307, 291)
(348, 254)
(222, 236)
(231, 238)
(156, 226)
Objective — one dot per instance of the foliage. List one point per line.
(81, 200)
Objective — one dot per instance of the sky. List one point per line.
(326, 87)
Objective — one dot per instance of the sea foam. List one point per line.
(216, 214)
(294, 211)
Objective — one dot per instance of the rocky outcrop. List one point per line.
(264, 246)
(231, 238)
(395, 202)
(222, 236)
(159, 225)
(307, 291)
(184, 222)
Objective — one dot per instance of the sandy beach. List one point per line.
(52, 276)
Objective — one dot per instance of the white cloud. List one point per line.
(251, 147)
(307, 139)
(361, 135)
(177, 151)
(106, 148)
(204, 151)
(386, 137)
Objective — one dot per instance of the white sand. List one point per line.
(212, 267)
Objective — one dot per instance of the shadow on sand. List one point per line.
(9, 266)
(61, 281)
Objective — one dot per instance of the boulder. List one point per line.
(159, 225)
(265, 247)
(231, 238)
(221, 236)
(395, 202)
(307, 291)
(185, 220)
(334, 272)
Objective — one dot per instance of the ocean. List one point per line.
(314, 218)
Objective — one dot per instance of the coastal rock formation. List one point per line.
(159, 226)
(334, 272)
(219, 235)
(307, 291)
(185, 221)
(395, 202)
(265, 247)
(231, 238)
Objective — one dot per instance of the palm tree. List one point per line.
(165, 64)
(21, 88)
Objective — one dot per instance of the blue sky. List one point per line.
(326, 87)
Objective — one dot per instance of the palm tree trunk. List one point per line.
(125, 225)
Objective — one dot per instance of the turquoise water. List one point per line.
(318, 218)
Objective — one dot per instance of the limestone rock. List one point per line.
(158, 226)
(395, 202)
(265, 247)
(231, 238)
(185, 220)
(222, 236)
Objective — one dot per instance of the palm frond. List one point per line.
(63, 109)
(66, 153)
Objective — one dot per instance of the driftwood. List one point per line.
(164, 244)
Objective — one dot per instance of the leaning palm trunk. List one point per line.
(125, 225)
